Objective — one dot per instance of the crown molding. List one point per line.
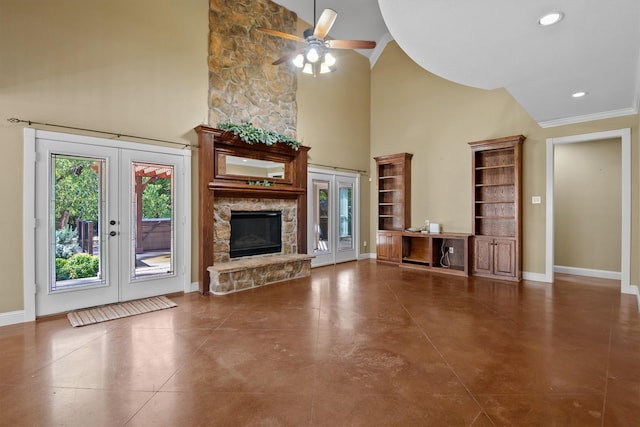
(591, 117)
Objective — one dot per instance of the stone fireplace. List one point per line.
(229, 274)
(222, 191)
(245, 87)
(223, 208)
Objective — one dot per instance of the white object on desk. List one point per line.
(435, 228)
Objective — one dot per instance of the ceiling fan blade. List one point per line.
(324, 24)
(286, 57)
(351, 44)
(280, 34)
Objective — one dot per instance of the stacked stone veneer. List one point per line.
(243, 84)
(229, 275)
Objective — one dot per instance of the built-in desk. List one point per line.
(438, 252)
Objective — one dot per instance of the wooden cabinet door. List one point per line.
(389, 246)
(504, 257)
(383, 247)
(395, 254)
(482, 255)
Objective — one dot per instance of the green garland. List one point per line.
(252, 135)
(264, 183)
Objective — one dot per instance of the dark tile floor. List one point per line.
(358, 344)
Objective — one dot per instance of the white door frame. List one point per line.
(29, 213)
(333, 177)
(625, 253)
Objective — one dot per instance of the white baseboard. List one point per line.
(368, 255)
(11, 317)
(601, 274)
(534, 277)
(195, 286)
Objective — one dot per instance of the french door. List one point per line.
(110, 222)
(332, 217)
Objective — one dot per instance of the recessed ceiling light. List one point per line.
(550, 19)
(579, 94)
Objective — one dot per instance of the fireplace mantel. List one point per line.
(214, 181)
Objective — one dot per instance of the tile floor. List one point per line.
(358, 344)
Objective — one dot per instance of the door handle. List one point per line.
(112, 233)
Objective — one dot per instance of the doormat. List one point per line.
(104, 313)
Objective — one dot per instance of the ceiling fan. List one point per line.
(314, 56)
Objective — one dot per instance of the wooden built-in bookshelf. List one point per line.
(497, 207)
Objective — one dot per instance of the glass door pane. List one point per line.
(345, 216)
(152, 225)
(321, 221)
(77, 198)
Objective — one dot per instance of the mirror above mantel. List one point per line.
(253, 166)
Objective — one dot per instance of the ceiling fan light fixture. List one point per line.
(313, 55)
(324, 68)
(550, 19)
(308, 68)
(298, 61)
(329, 60)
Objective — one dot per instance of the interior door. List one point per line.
(332, 217)
(109, 223)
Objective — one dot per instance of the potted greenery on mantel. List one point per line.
(250, 134)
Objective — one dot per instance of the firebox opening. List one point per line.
(255, 233)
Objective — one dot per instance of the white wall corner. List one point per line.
(380, 45)
(636, 94)
(195, 286)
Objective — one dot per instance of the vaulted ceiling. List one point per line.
(595, 48)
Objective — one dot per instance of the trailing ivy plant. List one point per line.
(250, 134)
(264, 183)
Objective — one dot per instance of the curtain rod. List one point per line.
(117, 135)
(339, 168)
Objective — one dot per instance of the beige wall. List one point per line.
(418, 112)
(137, 68)
(587, 204)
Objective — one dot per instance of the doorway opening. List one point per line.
(625, 251)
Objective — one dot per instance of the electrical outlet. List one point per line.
(365, 244)
(451, 249)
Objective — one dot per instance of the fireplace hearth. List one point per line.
(255, 233)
